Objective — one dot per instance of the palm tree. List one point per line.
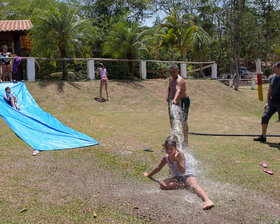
(124, 41)
(176, 32)
(200, 41)
(57, 31)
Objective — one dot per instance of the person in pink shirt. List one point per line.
(102, 71)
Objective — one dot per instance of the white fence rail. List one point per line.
(31, 72)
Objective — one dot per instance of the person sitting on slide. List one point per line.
(273, 101)
(11, 98)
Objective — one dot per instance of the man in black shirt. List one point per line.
(273, 101)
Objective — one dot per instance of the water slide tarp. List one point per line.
(36, 127)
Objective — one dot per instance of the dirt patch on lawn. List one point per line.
(62, 181)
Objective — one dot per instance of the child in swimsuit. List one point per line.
(182, 173)
(11, 98)
(102, 71)
(6, 63)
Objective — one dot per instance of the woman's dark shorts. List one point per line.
(182, 179)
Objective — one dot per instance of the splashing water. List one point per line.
(178, 116)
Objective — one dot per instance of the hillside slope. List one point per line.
(69, 186)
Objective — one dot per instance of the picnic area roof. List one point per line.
(15, 25)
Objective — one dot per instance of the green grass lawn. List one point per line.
(70, 186)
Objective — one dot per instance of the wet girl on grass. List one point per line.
(102, 71)
(182, 173)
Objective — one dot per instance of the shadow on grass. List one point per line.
(75, 85)
(272, 145)
(134, 83)
(100, 100)
(59, 84)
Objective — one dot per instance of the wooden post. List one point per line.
(31, 69)
(214, 71)
(143, 70)
(90, 69)
(183, 68)
(259, 78)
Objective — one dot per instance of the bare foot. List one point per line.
(108, 99)
(208, 205)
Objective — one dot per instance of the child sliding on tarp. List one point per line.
(182, 173)
(11, 98)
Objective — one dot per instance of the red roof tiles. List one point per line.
(15, 25)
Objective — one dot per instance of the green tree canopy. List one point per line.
(124, 41)
(59, 31)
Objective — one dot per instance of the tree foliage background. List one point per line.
(231, 32)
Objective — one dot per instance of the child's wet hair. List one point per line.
(171, 140)
(7, 88)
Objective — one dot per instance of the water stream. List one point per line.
(178, 115)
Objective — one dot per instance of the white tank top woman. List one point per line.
(103, 73)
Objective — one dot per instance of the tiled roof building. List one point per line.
(15, 25)
(13, 33)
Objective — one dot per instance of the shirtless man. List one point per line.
(176, 94)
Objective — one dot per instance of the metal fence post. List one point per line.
(143, 70)
(90, 69)
(183, 67)
(253, 84)
(259, 78)
(31, 69)
(214, 71)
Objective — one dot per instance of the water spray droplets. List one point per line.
(178, 116)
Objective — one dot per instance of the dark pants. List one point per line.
(269, 111)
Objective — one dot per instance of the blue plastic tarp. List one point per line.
(39, 129)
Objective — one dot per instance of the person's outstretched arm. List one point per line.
(98, 72)
(5, 96)
(157, 169)
(38, 65)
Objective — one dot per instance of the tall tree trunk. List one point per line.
(183, 55)
(130, 64)
(64, 70)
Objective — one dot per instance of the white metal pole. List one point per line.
(90, 69)
(143, 70)
(183, 67)
(214, 71)
(31, 69)
(253, 84)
